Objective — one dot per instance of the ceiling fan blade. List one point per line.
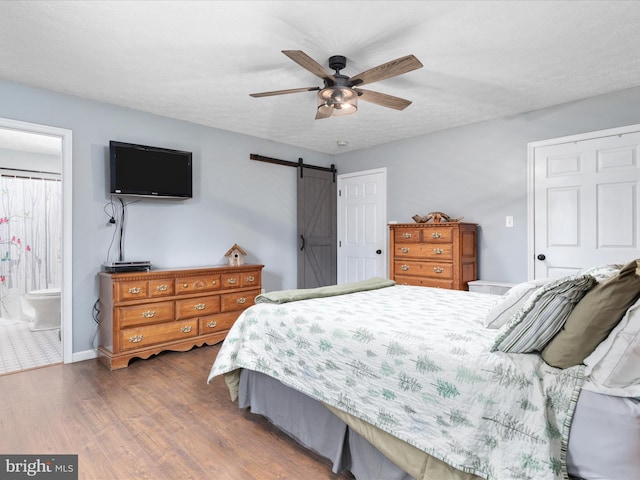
(386, 70)
(320, 116)
(283, 92)
(382, 99)
(308, 63)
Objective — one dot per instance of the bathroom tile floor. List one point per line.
(21, 349)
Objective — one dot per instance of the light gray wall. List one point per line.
(477, 171)
(236, 200)
(480, 172)
(15, 159)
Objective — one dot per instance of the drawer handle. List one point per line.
(135, 290)
(438, 251)
(161, 288)
(135, 339)
(406, 235)
(438, 269)
(404, 267)
(186, 329)
(232, 281)
(149, 314)
(213, 282)
(404, 250)
(185, 285)
(200, 306)
(212, 324)
(436, 234)
(251, 278)
(241, 300)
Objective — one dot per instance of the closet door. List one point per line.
(586, 203)
(317, 238)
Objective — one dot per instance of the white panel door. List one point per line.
(586, 202)
(362, 225)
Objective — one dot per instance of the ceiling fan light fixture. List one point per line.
(337, 101)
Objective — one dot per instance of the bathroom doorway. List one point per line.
(35, 250)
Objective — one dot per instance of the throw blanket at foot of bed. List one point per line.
(285, 296)
(416, 363)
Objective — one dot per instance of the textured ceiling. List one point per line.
(198, 61)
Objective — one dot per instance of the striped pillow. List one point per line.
(511, 302)
(542, 315)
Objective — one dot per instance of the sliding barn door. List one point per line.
(317, 238)
(586, 202)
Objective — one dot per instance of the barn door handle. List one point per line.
(542, 257)
(302, 238)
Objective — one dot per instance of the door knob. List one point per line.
(378, 252)
(541, 257)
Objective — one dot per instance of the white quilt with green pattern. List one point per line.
(415, 362)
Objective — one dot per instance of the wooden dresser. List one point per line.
(144, 313)
(439, 255)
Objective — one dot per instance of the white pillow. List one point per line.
(511, 302)
(603, 272)
(614, 366)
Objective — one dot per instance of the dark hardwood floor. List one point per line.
(157, 419)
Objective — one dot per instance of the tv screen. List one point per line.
(141, 170)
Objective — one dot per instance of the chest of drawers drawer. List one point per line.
(423, 282)
(425, 250)
(424, 269)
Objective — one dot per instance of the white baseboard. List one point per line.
(86, 355)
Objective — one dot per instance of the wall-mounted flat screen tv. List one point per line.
(141, 170)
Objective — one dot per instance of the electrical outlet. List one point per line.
(508, 221)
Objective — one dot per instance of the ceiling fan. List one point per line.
(341, 93)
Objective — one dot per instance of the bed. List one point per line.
(401, 382)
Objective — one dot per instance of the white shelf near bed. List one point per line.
(488, 286)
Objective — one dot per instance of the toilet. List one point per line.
(43, 308)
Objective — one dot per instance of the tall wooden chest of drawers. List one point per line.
(145, 313)
(439, 255)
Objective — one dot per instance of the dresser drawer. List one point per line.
(135, 338)
(142, 314)
(238, 301)
(423, 282)
(161, 288)
(133, 290)
(231, 280)
(201, 283)
(425, 250)
(197, 307)
(217, 323)
(251, 279)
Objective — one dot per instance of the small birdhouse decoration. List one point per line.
(236, 255)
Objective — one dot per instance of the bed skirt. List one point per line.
(349, 443)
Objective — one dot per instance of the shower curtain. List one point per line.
(30, 237)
